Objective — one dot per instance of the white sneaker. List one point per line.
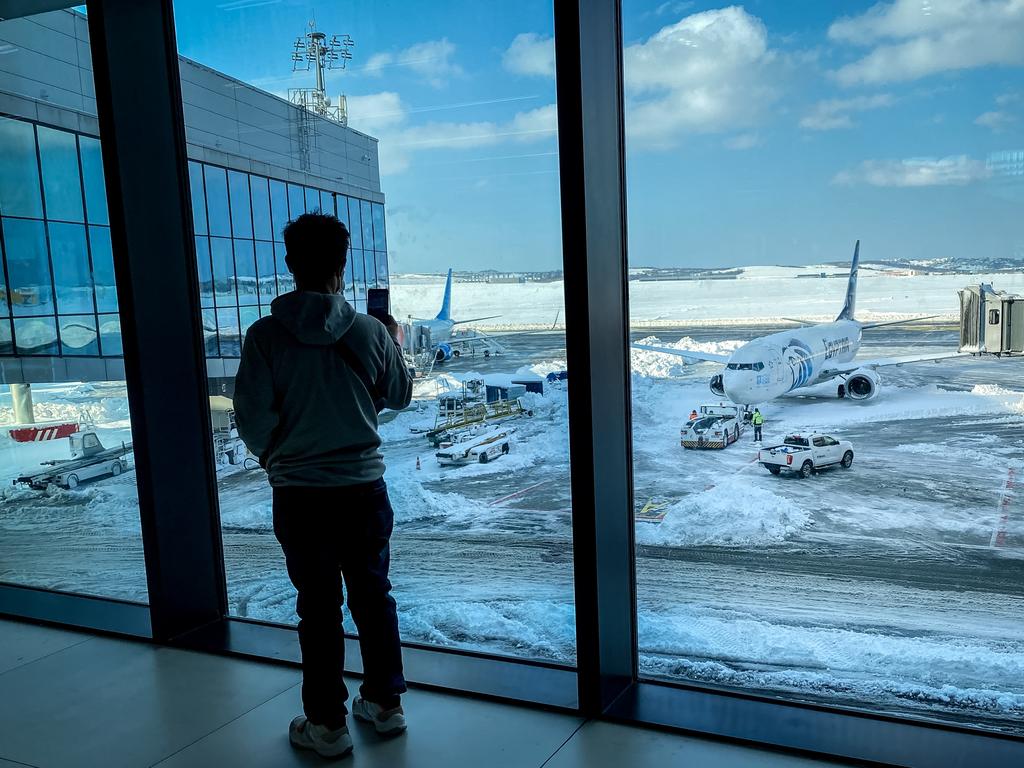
(322, 740)
(388, 722)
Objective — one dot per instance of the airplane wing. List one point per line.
(475, 319)
(887, 361)
(705, 357)
(866, 326)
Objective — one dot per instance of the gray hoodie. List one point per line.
(300, 407)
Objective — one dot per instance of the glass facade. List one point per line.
(59, 268)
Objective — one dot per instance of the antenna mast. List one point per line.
(314, 51)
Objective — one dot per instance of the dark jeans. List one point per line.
(757, 432)
(328, 533)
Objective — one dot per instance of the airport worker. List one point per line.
(693, 415)
(758, 422)
(313, 376)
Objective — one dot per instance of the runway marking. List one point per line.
(517, 493)
(999, 532)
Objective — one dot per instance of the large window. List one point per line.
(762, 143)
(493, 534)
(69, 512)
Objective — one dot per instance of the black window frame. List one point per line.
(134, 51)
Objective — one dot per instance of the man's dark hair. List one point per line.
(316, 247)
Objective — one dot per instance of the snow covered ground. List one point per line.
(899, 582)
(759, 295)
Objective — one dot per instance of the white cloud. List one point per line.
(386, 117)
(911, 39)
(743, 141)
(830, 114)
(996, 121)
(432, 60)
(956, 170)
(1004, 99)
(531, 54)
(709, 72)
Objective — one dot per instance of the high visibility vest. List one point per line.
(758, 419)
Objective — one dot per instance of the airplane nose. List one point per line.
(737, 389)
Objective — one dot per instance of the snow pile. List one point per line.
(540, 629)
(658, 365)
(930, 669)
(735, 512)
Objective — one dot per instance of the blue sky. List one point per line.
(763, 133)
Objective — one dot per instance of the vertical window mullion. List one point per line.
(49, 252)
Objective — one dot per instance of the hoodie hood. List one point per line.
(314, 318)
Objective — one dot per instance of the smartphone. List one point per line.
(378, 303)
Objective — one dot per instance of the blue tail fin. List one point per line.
(446, 305)
(851, 289)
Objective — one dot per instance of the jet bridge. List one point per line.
(991, 321)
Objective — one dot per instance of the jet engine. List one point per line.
(862, 384)
(717, 387)
(444, 352)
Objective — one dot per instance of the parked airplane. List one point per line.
(773, 365)
(438, 333)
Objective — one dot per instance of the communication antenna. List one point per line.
(315, 51)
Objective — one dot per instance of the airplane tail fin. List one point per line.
(850, 306)
(446, 305)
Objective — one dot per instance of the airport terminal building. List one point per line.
(255, 161)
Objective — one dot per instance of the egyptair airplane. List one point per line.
(771, 366)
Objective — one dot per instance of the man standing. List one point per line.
(312, 378)
(758, 422)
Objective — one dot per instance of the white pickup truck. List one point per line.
(806, 454)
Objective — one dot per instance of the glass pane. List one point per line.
(71, 271)
(210, 333)
(754, 168)
(260, 208)
(110, 335)
(474, 177)
(62, 182)
(342, 212)
(245, 272)
(66, 523)
(19, 170)
(248, 316)
(285, 282)
(296, 201)
(355, 228)
(278, 206)
(241, 213)
(379, 238)
(195, 186)
(326, 202)
(381, 260)
(28, 268)
(92, 176)
(6, 338)
(265, 272)
(205, 271)
(217, 211)
(228, 330)
(103, 269)
(367, 220)
(78, 335)
(35, 336)
(223, 272)
(312, 199)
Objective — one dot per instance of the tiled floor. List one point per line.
(70, 699)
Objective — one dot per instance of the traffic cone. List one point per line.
(417, 462)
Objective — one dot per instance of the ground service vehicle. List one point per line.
(474, 447)
(716, 426)
(89, 460)
(806, 454)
